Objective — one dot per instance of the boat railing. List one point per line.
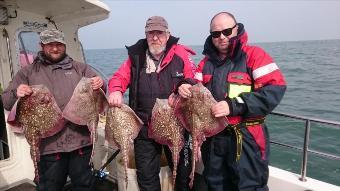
(98, 71)
(9, 53)
(101, 73)
(305, 149)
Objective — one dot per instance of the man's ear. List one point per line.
(41, 45)
(168, 35)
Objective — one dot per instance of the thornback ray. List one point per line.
(37, 116)
(122, 127)
(85, 106)
(196, 116)
(165, 128)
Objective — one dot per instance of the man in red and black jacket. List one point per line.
(153, 69)
(248, 85)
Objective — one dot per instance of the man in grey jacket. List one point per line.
(68, 152)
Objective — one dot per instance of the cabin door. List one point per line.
(27, 49)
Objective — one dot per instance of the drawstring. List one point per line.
(57, 156)
(80, 152)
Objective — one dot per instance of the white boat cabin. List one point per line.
(21, 21)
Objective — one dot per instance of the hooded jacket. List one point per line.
(61, 79)
(248, 79)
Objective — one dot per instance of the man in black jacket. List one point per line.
(154, 68)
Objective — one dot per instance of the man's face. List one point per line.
(157, 41)
(220, 23)
(54, 51)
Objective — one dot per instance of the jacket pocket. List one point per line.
(238, 82)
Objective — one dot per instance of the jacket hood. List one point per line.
(65, 63)
(236, 43)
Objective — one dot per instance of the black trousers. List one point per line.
(147, 156)
(221, 170)
(54, 169)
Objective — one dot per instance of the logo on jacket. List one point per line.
(179, 74)
(237, 76)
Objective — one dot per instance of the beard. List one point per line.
(156, 50)
(55, 59)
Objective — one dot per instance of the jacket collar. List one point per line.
(65, 63)
(142, 45)
(234, 48)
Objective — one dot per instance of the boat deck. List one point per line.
(24, 186)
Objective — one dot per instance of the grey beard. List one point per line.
(156, 51)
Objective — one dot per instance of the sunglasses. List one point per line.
(225, 32)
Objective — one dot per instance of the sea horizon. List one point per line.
(251, 43)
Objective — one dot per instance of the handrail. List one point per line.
(312, 119)
(5, 34)
(93, 67)
(305, 149)
(98, 71)
(326, 155)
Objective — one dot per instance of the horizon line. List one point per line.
(248, 43)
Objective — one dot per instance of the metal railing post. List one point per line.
(305, 152)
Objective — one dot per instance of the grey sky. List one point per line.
(265, 21)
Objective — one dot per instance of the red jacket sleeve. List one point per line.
(120, 80)
(185, 54)
(199, 70)
(269, 86)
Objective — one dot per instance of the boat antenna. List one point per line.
(51, 21)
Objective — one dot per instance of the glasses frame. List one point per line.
(158, 34)
(226, 32)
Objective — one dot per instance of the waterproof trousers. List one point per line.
(54, 169)
(222, 172)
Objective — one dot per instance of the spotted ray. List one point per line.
(37, 116)
(166, 129)
(122, 127)
(84, 107)
(195, 114)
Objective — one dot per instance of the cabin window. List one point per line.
(28, 47)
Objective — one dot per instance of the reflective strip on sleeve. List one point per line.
(264, 70)
(199, 76)
(239, 100)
